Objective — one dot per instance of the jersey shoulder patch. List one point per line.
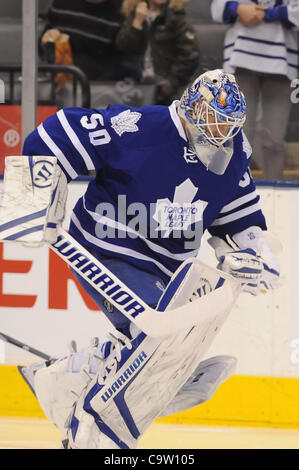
(125, 121)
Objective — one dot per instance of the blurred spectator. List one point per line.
(261, 48)
(159, 45)
(83, 32)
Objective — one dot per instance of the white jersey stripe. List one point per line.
(74, 139)
(116, 248)
(236, 215)
(57, 152)
(238, 202)
(153, 246)
(176, 120)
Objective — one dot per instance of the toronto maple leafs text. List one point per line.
(160, 219)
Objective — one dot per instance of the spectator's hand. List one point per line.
(251, 15)
(140, 15)
(52, 35)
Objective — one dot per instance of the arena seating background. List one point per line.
(210, 38)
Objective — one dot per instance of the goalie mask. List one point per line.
(213, 109)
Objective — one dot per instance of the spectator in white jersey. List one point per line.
(181, 170)
(261, 48)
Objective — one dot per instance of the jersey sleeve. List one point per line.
(74, 136)
(287, 15)
(241, 212)
(221, 10)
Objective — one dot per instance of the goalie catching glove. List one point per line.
(249, 257)
(33, 201)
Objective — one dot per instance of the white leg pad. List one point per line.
(57, 391)
(138, 386)
(202, 384)
(59, 386)
(169, 366)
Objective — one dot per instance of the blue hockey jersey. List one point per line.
(151, 199)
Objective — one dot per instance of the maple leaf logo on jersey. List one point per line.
(182, 212)
(125, 122)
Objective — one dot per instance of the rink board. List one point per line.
(41, 305)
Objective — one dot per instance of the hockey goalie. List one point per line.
(163, 176)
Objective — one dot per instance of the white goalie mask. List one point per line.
(213, 109)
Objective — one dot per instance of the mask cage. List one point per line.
(204, 116)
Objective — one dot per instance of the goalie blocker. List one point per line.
(33, 202)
